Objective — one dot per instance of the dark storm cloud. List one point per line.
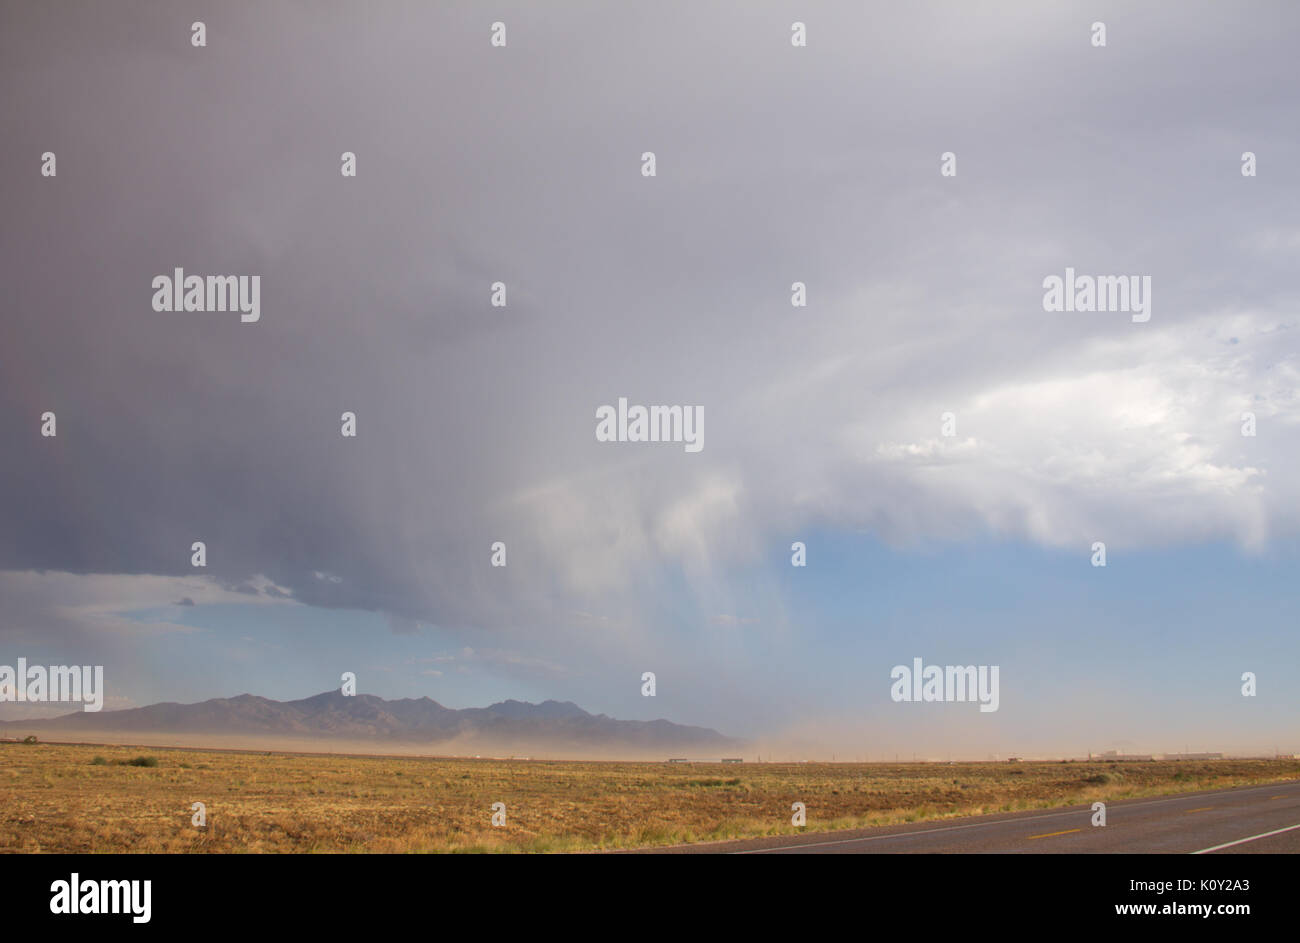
(522, 165)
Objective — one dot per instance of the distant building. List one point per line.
(733, 759)
(1193, 756)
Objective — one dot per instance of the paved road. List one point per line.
(1245, 820)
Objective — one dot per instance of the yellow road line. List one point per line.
(1050, 834)
(1204, 808)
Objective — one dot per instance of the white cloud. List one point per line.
(43, 605)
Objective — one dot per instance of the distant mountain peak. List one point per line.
(519, 725)
(547, 709)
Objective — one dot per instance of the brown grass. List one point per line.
(57, 798)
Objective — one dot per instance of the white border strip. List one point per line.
(1242, 841)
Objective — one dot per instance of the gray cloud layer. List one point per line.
(522, 165)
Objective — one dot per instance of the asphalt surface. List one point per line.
(1245, 820)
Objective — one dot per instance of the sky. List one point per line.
(523, 164)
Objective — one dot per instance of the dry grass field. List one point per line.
(65, 798)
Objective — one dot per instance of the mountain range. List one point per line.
(549, 727)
